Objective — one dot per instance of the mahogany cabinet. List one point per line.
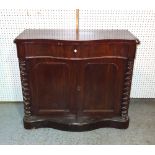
(76, 81)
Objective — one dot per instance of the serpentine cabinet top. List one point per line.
(73, 35)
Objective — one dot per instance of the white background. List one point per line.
(140, 22)
(83, 4)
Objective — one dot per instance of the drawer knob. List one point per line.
(75, 50)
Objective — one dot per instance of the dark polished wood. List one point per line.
(76, 84)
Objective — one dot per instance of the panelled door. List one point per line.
(52, 84)
(101, 83)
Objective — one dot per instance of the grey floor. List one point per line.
(140, 131)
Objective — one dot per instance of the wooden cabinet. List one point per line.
(76, 82)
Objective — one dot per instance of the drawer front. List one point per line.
(77, 51)
(58, 50)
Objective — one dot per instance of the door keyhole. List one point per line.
(78, 88)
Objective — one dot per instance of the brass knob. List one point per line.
(75, 50)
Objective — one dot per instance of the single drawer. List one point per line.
(58, 50)
(76, 50)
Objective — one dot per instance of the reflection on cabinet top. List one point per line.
(73, 35)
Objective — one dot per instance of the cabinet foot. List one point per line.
(67, 124)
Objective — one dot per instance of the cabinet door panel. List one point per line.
(102, 86)
(50, 87)
(98, 86)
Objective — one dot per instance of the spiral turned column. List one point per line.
(25, 88)
(126, 90)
